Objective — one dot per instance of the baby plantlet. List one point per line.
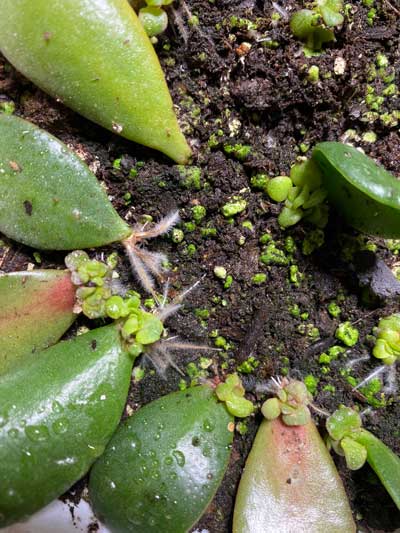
(365, 194)
(36, 308)
(115, 81)
(232, 393)
(290, 481)
(154, 20)
(57, 413)
(160, 475)
(50, 200)
(315, 27)
(302, 193)
(348, 438)
(387, 345)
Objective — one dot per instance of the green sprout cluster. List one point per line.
(232, 393)
(96, 299)
(342, 426)
(315, 26)
(93, 279)
(153, 18)
(387, 345)
(291, 401)
(302, 193)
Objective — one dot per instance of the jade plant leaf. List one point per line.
(57, 413)
(95, 56)
(164, 464)
(365, 194)
(36, 308)
(290, 479)
(48, 197)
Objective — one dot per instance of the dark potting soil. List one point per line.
(237, 76)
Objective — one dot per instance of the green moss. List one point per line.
(294, 310)
(265, 238)
(177, 235)
(259, 181)
(238, 151)
(189, 227)
(198, 213)
(333, 309)
(295, 276)
(313, 74)
(191, 177)
(204, 314)
(208, 232)
(259, 279)
(234, 207)
(273, 256)
(221, 342)
(191, 249)
(311, 382)
(290, 245)
(347, 334)
(324, 359)
(248, 366)
(7, 107)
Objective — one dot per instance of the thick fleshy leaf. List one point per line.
(49, 199)
(57, 413)
(95, 56)
(164, 464)
(290, 483)
(384, 462)
(36, 308)
(365, 194)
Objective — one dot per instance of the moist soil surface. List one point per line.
(237, 76)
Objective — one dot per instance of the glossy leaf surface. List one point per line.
(57, 413)
(48, 197)
(290, 484)
(163, 465)
(365, 194)
(95, 56)
(383, 461)
(36, 308)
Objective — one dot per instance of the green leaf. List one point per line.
(383, 461)
(151, 329)
(57, 413)
(290, 483)
(365, 194)
(354, 452)
(48, 198)
(115, 81)
(36, 308)
(342, 422)
(239, 407)
(164, 464)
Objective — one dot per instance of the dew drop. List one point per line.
(60, 426)
(208, 425)
(136, 443)
(13, 433)
(196, 441)
(179, 457)
(168, 461)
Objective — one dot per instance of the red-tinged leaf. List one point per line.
(36, 308)
(290, 483)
